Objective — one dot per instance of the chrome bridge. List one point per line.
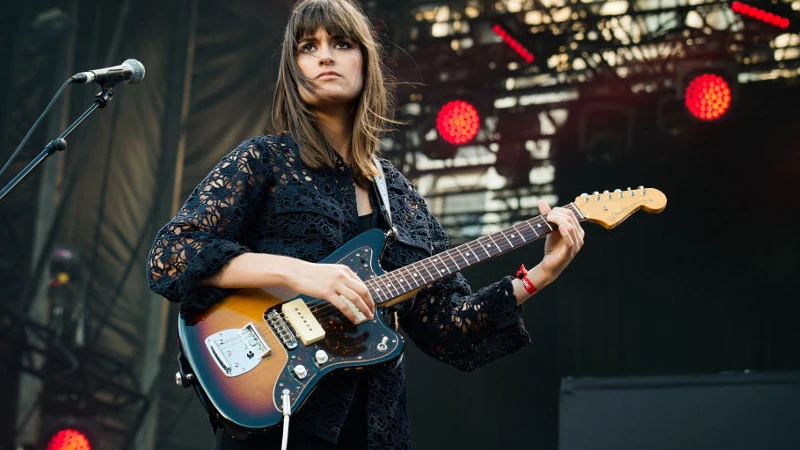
(281, 329)
(237, 351)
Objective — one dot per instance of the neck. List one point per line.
(337, 128)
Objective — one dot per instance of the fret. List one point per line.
(521, 235)
(525, 233)
(438, 266)
(530, 224)
(492, 245)
(482, 246)
(474, 247)
(379, 291)
(452, 259)
(500, 247)
(465, 257)
(539, 226)
(502, 232)
(391, 283)
(374, 292)
(419, 280)
(403, 278)
(425, 266)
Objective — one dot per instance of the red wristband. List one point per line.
(522, 274)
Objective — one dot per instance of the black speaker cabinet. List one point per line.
(729, 411)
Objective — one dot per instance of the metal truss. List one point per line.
(587, 50)
(76, 381)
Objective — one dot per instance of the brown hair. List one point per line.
(290, 114)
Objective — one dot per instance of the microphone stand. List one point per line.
(60, 143)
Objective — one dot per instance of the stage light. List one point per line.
(69, 439)
(513, 43)
(458, 122)
(707, 96)
(760, 15)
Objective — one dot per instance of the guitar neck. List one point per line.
(397, 283)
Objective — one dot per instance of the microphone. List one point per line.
(131, 71)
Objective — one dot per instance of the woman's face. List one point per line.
(335, 67)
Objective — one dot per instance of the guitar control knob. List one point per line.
(300, 371)
(183, 380)
(321, 357)
(382, 345)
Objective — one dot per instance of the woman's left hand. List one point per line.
(562, 244)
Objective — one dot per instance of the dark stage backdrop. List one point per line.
(708, 285)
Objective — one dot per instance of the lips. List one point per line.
(329, 74)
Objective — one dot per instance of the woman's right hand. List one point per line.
(335, 283)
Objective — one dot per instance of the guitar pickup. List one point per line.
(303, 321)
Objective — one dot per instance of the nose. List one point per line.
(325, 56)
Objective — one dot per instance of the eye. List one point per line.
(306, 48)
(344, 44)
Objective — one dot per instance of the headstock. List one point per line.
(609, 209)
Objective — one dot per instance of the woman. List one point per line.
(279, 203)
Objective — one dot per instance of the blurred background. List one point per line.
(504, 102)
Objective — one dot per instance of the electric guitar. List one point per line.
(255, 355)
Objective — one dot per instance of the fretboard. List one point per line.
(437, 267)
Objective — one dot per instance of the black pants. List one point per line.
(270, 440)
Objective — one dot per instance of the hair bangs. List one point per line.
(322, 14)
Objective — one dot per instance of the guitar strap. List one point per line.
(380, 182)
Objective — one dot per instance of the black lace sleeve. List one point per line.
(205, 234)
(460, 327)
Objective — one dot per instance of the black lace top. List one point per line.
(262, 198)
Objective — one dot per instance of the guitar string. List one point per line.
(396, 278)
(326, 309)
(390, 284)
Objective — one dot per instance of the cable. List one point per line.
(35, 125)
(287, 411)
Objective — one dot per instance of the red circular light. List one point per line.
(69, 440)
(458, 122)
(708, 96)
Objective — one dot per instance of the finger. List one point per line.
(362, 292)
(576, 230)
(544, 207)
(358, 301)
(566, 229)
(355, 283)
(346, 307)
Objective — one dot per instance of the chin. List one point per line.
(332, 101)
